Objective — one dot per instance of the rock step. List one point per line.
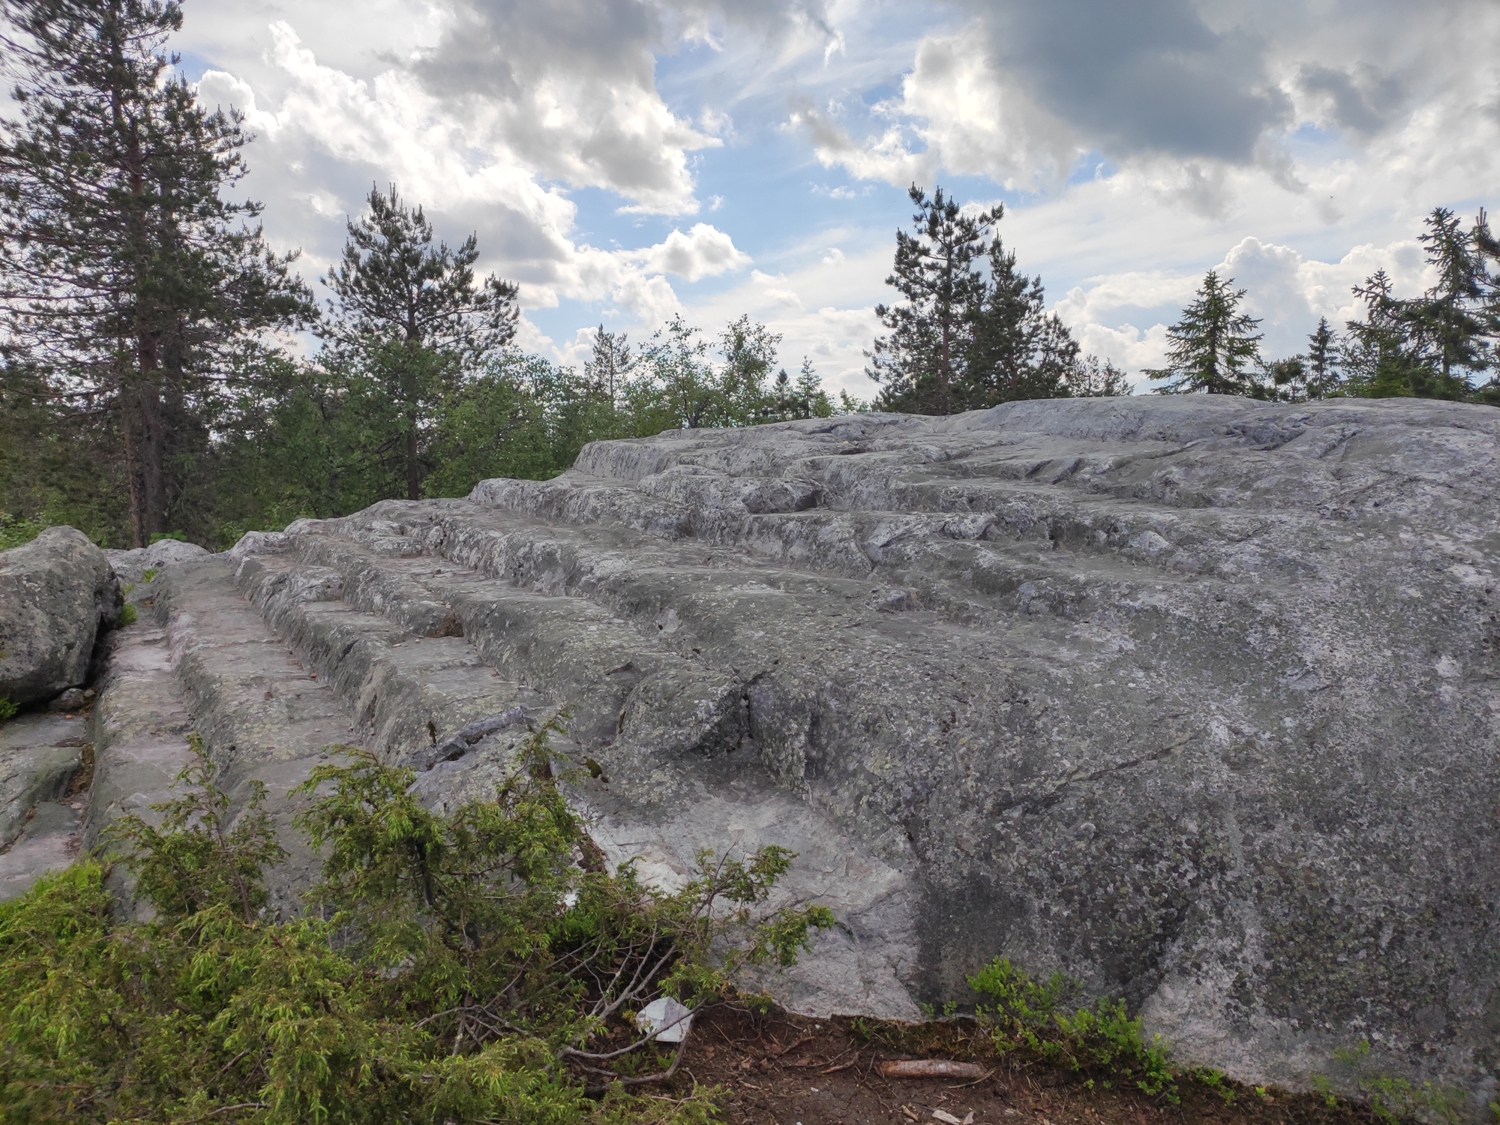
(263, 716)
(49, 841)
(746, 674)
(433, 685)
(40, 756)
(619, 686)
(407, 692)
(141, 726)
(980, 536)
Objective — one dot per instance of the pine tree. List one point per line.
(610, 364)
(1214, 348)
(925, 356)
(127, 278)
(1016, 350)
(407, 324)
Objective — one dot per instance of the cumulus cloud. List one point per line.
(569, 89)
(1181, 89)
(1294, 146)
(703, 252)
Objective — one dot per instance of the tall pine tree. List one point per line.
(128, 280)
(923, 362)
(407, 324)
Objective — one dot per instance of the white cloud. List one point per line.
(1337, 126)
(703, 252)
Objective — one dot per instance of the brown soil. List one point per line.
(786, 1070)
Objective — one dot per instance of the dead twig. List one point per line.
(931, 1068)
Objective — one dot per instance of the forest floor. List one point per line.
(778, 1069)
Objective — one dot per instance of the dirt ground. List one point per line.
(785, 1070)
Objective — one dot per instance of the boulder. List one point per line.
(131, 565)
(56, 593)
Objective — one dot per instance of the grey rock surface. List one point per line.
(40, 826)
(1194, 699)
(49, 843)
(39, 754)
(56, 593)
(131, 565)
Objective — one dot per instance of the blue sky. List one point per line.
(630, 160)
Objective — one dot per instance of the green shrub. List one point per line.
(15, 530)
(7, 709)
(127, 616)
(1393, 1099)
(471, 966)
(149, 574)
(1102, 1038)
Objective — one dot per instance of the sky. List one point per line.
(626, 161)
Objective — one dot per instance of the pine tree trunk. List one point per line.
(413, 470)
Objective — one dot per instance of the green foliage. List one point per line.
(15, 530)
(1214, 348)
(195, 859)
(1392, 1099)
(972, 331)
(7, 709)
(468, 966)
(127, 615)
(149, 574)
(1101, 1039)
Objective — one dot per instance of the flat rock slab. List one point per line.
(1191, 698)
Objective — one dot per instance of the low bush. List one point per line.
(475, 966)
(1101, 1039)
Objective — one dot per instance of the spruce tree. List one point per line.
(128, 279)
(1214, 348)
(811, 399)
(407, 325)
(1323, 350)
(1382, 356)
(1449, 318)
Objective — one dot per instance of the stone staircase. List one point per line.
(357, 632)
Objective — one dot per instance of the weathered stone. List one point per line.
(56, 592)
(1191, 698)
(74, 699)
(131, 565)
(49, 842)
(39, 754)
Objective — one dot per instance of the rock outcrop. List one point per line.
(56, 593)
(1194, 699)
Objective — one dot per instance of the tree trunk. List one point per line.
(413, 469)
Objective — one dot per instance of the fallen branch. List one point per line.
(930, 1068)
